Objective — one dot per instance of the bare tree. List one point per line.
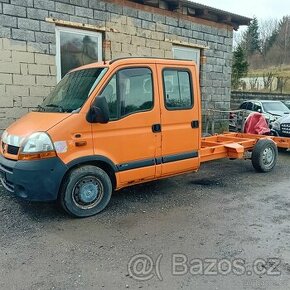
(268, 79)
(267, 28)
(254, 83)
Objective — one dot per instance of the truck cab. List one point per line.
(105, 126)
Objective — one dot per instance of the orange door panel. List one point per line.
(180, 118)
(128, 139)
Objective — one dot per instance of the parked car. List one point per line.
(287, 103)
(272, 110)
(281, 127)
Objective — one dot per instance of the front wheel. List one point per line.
(264, 156)
(86, 191)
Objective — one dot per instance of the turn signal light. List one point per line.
(37, 156)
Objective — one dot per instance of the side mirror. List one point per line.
(259, 110)
(99, 112)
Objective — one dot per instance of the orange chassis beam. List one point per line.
(234, 145)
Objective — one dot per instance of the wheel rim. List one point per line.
(88, 192)
(268, 157)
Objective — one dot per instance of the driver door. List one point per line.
(128, 139)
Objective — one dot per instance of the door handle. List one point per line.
(156, 128)
(195, 124)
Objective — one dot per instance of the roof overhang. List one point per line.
(197, 10)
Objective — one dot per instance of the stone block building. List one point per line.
(41, 40)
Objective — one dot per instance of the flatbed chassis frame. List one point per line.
(234, 145)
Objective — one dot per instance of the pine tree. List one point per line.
(251, 41)
(240, 66)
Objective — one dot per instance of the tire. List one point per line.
(86, 191)
(264, 155)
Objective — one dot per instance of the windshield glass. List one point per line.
(72, 91)
(275, 106)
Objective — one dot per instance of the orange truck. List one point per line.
(113, 124)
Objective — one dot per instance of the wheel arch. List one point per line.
(96, 160)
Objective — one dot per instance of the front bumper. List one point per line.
(37, 180)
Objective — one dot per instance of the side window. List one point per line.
(257, 107)
(243, 106)
(177, 89)
(110, 93)
(135, 90)
(250, 106)
(129, 91)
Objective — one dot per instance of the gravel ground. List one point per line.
(225, 211)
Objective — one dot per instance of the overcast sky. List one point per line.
(262, 9)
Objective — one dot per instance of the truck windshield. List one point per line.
(72, 91)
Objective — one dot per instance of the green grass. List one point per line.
(283, 71)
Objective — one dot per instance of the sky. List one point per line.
(262, 9)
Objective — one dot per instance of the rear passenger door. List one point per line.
(180, 119)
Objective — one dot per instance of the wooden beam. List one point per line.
(225, 19)
(205, 14)
(154, 3)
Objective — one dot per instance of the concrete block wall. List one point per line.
(238, 97)
(27, 46)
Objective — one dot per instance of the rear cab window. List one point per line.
(178, 91)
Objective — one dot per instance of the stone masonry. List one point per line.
(28, 46)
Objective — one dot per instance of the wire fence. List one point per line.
(234, 120)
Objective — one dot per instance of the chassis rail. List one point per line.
(234, 145)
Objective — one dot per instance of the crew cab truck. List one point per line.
(113, 124)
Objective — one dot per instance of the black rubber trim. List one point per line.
(178, 157)
(156, 161)
(136, 164)
(92, 158)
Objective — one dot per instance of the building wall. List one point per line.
(27, 46)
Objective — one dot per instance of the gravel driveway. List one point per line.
(223, 216)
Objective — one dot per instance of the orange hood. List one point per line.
(35, 122)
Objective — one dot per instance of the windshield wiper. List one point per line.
(55, 106)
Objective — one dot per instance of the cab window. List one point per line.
(129, 91)
(110, 93)
(250, 106)
(257, 107)
(177, 89)
(244, 106)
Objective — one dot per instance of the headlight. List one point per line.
(4, 137)
(276, 126)
(36, 143)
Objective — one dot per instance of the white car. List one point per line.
(272, 110)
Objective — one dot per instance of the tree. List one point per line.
(268, 30)
(251, 38)
(240, 66)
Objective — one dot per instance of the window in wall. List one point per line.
(129, 91)
(177, 88)
(75, 48)
(187, 53)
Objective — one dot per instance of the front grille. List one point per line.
(13, 150)
(285, 129)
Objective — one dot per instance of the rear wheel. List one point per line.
(86, 191)
(264, 156)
